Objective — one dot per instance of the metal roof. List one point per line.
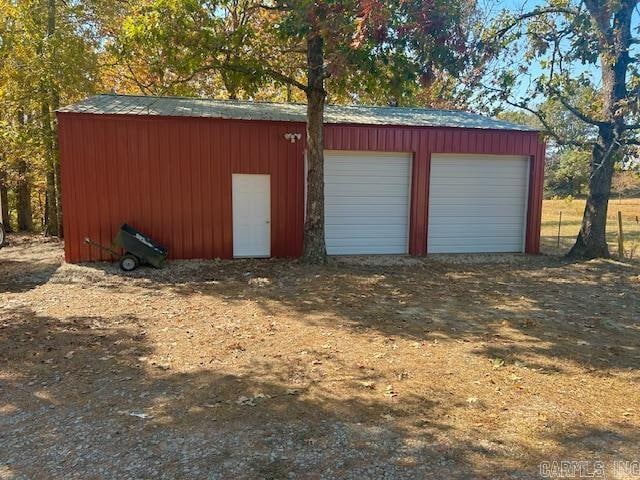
(111, 104)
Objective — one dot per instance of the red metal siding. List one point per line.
(171, 177)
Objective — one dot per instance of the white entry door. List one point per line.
(251, 215)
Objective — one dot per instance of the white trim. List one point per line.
(481, 155)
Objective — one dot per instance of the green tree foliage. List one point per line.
(46, 57)
(373, 53)
(567, 173)
(567, 163)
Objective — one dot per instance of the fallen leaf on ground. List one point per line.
(497, 362)
(136, 414)
(242, 400)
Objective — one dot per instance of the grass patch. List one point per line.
(572, 210)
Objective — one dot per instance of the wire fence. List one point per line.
(623, 232)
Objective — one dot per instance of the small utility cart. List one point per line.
(139, 249)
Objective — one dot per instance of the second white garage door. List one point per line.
(366, 202)
(477, 203)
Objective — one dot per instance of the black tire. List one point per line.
(129, 263)
(3, 235)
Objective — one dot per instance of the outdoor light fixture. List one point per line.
(292, 137)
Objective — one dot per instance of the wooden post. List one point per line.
(620, 236)
(559, 227)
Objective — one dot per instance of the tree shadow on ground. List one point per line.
(532, 310)
(70, 385)
(81, 398)
(23, 267)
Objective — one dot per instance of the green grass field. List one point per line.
(572, 210)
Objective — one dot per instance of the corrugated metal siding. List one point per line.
(171, 177)
(112, 104)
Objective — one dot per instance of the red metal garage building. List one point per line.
(221, 179)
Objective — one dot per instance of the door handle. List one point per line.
(268, 221)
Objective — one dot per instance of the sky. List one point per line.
(528, 5)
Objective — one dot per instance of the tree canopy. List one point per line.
(375, 51)
(573, 63)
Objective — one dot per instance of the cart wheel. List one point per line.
(129, 262)
(2, 235)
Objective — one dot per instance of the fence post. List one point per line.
(620, 236)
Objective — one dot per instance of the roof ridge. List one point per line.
(271, 102)
(205, 99)
(175, 106)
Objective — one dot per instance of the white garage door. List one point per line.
(477, 203)
(366, 202)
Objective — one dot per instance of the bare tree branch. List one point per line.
(582, 116)
(535, 13)
(277, 8)
(274, 74)
(547, 127)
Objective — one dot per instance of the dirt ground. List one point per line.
(448, 367)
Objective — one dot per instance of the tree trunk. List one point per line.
(4, 202)
(614, 62)
(592, 238)
(50, 103)
(23, 198)
(315, 251)
(51, 210)
(53, 213)
(55, 104)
